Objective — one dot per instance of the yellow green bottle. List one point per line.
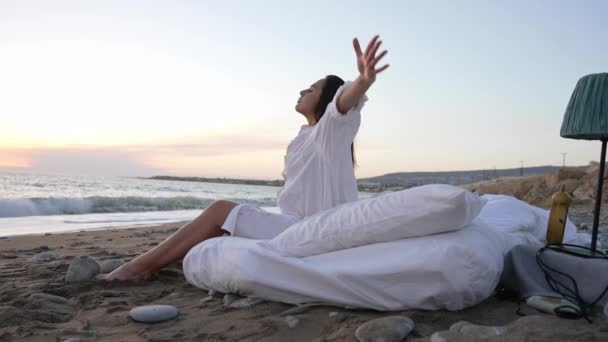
(558, 216)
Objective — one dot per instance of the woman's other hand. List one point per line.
(367, 61)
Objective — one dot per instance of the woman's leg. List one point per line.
(205, 226)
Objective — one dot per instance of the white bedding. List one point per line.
(449, 271)
(419, 211)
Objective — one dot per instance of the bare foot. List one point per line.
(127, 273)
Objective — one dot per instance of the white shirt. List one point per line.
(318, 172)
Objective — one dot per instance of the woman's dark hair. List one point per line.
(332, 83)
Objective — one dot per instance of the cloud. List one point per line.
(220, 156)
(217, 146)
(88, 161)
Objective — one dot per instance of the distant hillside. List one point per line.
(394, 181)
(402, 180)
(218, 180)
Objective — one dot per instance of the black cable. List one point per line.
(570, 295)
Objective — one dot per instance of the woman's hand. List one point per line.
(366, 62)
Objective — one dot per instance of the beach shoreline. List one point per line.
(96, 229)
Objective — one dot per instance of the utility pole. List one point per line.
(494, 176)
(564, 159)
(521, 170)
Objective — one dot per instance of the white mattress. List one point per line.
(449, 271)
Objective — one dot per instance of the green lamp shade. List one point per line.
(586, 116)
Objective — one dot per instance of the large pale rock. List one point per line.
(82, 268)
(153, 313)
(49, 308)
(385, 329)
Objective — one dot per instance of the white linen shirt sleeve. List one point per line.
(336, 130)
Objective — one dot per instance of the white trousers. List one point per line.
(256, 223)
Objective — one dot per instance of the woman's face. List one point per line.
(309, 98)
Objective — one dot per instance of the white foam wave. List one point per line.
(98, 204)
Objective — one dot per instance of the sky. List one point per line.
(208, 88)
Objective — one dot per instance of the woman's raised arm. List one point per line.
(366, 63)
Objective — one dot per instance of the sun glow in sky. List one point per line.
(204, 88)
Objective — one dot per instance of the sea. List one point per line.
(32, 203)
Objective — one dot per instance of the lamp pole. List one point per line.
(564, 158)
(598, 196)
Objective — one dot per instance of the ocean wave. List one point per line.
(113, 220)
(98, 204)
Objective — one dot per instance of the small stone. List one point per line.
(440, 336)
(480, 331)
(44, 247)
(56, 307)
(387, 329)
(82, 268)
(245, 303)
(469, 332)
(44, 256)
(291, 321)
(48, 297)
(215, 293)
(153, 313)
(207, 299)
(584, 226)
(73, 339)
(110, 265)
(229, 298)
(339, 316)
(153, 244)
(173, 295)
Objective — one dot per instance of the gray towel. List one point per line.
(523, 275)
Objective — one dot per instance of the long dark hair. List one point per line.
(332, 83)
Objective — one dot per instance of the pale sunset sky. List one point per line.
(208, 88)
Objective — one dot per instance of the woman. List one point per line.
(318, 172)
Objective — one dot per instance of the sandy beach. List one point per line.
(97, 310)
